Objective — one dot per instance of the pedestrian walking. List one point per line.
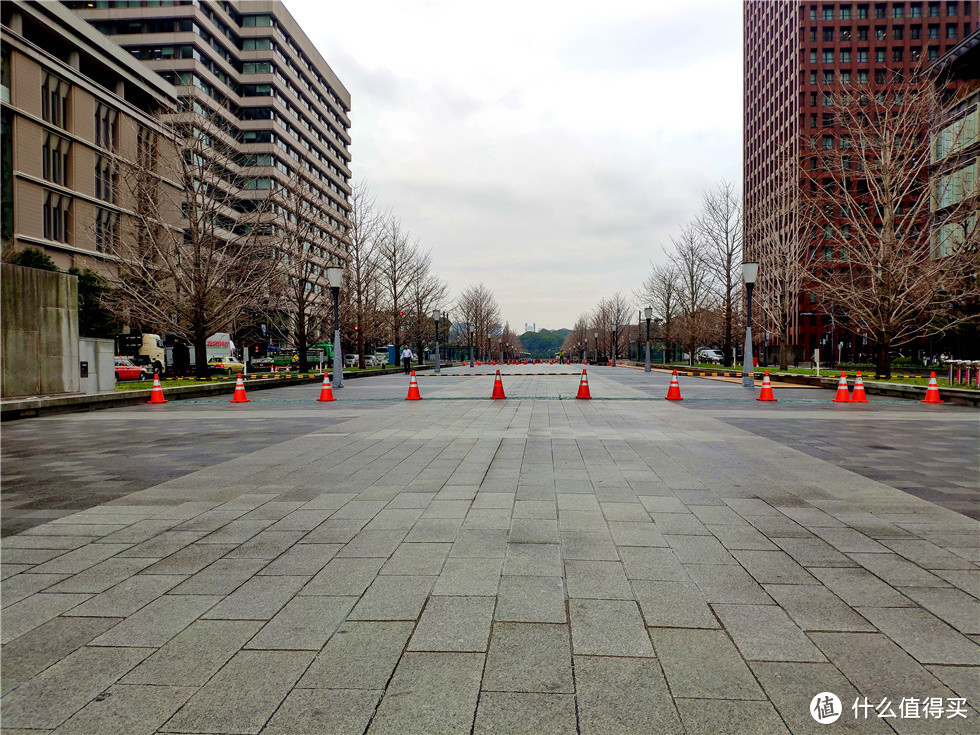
(407, 357)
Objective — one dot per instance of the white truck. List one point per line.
(143, 349)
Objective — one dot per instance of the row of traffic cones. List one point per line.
(843, 394)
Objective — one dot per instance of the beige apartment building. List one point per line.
(251, 71)
(75, 109)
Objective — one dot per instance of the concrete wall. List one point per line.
(38, 332)
(98, 355)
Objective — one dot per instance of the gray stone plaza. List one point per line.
(456, 564)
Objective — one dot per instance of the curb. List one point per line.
(20, 408)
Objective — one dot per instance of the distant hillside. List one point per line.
(544, 343)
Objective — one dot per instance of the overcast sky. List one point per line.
(548, 149)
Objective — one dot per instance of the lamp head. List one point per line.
(750, 271)
(436, 314)
(335, 276)
(648, 313)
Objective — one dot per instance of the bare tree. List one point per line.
(304, 249)
(364, 227)
(662, 291)
(426, 292)
(695, 288)
(479, 309)
(720, 226)
(777, 232)
(397, 267)
(893, 272)
(200, 276)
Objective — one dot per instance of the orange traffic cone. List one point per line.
(583, 387)
(843, 396)
(858, 395)
(326, 390)
(157, 395)
(766, 393)
(413, 390)
(498, 387)
(932, 392)
(674, 391)
(239, 396)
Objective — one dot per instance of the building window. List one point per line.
(828, 56)
(828, 142)
(813, 78)
(146, 148)
(897, 55)
(915, 53)
(105, 127)
(828, 119)
(828, 12)
(933, 53)
(879, 76)
(105, 180)
(951, 9)
(934, 31)
(915, 33)
(257, 21)
(845, 12)
(813, 13)
(951, 30)
(256, 44)
(54, 100)
(54, 159)
(879, 33)
(5, 75)
(106, 230)
(845, 56)
(880, 55)
(813, 56)
(898, 33)
(863, 33)
(56, 213)
(862, 77)
(828, 77)
(879, 10)
(257, 67)
(845, 34)
(845, 77)
(933, 10)
(898, 10)
(813, 119)
(828, 100)
(862, 56)
(916, 10)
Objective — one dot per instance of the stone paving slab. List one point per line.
(532, 565)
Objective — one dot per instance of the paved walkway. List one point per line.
(534, 565)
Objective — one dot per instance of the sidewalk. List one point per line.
(535, 565)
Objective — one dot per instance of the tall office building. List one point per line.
(795, 55)
(72, 106)
(249, 68)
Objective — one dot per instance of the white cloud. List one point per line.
(547, 149)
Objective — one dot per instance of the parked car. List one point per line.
(126, 369)
(706, 355)
(370, 361)
(380, 358)
(263, 363)
(227, 365)
(350, 361)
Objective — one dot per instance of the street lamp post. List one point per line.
(648, 315)
(472, 340)
(750, 271)
(596, 334)
(436, 316)
(335, 277)
(615, 329)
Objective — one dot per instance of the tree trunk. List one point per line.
(728, 334)
(200, 353)
(784, 345)
(360, 339)
(304, 363)
(883, 365)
